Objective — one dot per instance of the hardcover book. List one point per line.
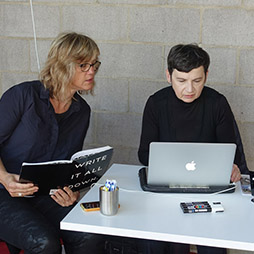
(81, 171)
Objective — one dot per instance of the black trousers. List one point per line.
(158, 247)
(33, 225)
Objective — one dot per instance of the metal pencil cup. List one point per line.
(109, 201)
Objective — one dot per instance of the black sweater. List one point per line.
(168, 119)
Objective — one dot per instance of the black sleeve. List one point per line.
(150, 131)
(226, 128)
(224, 122)
(11, 111)
(240, 156)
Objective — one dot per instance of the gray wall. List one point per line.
(134, 37)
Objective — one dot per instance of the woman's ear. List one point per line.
(206, 76)
(168, 76)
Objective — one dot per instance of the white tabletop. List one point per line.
(159, 216)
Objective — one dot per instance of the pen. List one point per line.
(110, 185)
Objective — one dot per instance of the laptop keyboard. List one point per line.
(210, 189)
(178, 189)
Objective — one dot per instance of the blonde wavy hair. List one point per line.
(66, 51)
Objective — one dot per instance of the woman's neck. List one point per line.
(60, 106)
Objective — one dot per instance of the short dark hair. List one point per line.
(187, 57)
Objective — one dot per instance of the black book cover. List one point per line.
(85, 168)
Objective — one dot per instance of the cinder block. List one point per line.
(134, 1)
(248, 3)
(99, 22)
(246, 74)
(118, 129)
(164, 25)
(14, 55)
(10, 79)
(228, 27)
(140, 90)
(1, 87)
(205, 2)
(247, 135)
(67, 1)
(244, 100)
(131, 60)
(134, 157)
(15, 1)
(43, 49)
(240, 100)
(17, 20)
(2, 20)
(109, 95)
(49, 25)
(124, 155)
(223, 64)
(121, 155)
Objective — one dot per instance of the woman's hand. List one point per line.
(236, 174)
(17, 189)
(65, 197)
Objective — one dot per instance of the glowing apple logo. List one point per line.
(190, 166)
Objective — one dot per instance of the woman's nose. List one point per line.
(189, 87)
(91, 70)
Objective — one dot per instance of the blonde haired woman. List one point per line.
(45, 120)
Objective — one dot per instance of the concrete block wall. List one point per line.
(134, 37)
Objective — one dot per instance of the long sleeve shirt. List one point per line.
(168, 119)
(30, 130)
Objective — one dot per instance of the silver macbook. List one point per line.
(180, 165)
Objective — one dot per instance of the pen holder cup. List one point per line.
(109, 201)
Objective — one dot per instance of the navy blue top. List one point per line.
(168, 119)
(30, 131)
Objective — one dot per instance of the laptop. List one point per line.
(188, 167)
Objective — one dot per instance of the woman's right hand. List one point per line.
(15, 188)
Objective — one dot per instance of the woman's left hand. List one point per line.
(65, 197)
(236, 174)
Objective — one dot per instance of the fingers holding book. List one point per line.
(17, 189)
(65, 197)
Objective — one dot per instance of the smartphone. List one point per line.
(90, 206)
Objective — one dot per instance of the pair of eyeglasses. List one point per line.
(86, 66)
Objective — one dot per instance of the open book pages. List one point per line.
(89, 152)
(46, 162)
(75, 156)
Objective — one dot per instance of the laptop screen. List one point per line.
(190, 164)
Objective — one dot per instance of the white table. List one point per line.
(159, 216)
